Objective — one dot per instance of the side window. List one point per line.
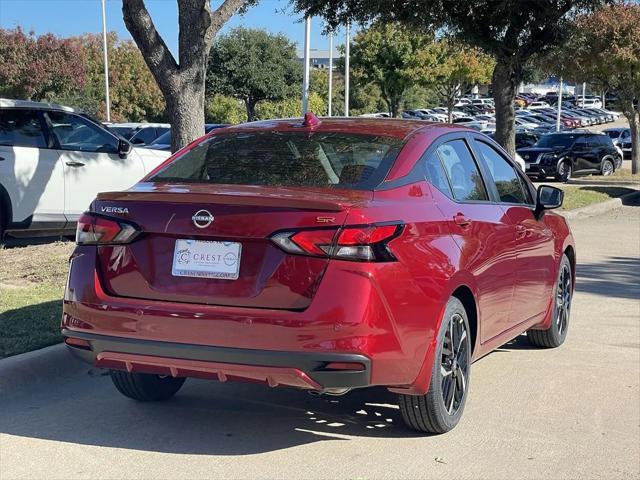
(508, 183)
(462, 171)
(76, 133)
(21, 128)
(436, 175)
(581, 142)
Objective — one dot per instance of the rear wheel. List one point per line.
(145, 387)
(607, 168)
(440, 409)
(564, 171)
(556, 334)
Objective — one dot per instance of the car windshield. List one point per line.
(555, 140)
(294, 159)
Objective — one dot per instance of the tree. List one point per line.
(38, 68)
(509, 30)
(253, 65)
(604, 49)
(457, 67)
(182, 82)
(391, 57)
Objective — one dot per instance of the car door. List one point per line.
(91, 162)
(534, 246)
(31, 172)
(479, 227)
(581, 152)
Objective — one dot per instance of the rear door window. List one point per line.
(463, 174)
(21, 128)
(508, 182)
(294, 159)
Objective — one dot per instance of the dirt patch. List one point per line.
(33, 264)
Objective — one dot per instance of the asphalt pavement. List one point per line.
(572, 412)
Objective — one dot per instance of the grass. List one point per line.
(624, 174)
(576, 197)
(32, 282)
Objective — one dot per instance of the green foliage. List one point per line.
(221, 109)
(390, 57)
(455, 67)
(290, 107)
(254, 66)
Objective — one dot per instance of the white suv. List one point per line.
(53, 162)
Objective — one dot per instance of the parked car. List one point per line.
(538, 104)
(53, 162)
(618, 136)
(564, 155)
(272, 262)
(471, 123)
(163, 142)
(139, 133)
(589, 102)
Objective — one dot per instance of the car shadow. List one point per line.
(616, 277)
(205, 417)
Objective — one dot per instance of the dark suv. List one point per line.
(564, 155)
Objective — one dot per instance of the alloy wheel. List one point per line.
(454, 365)
(563, 299)
(607, 168)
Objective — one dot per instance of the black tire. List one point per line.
(607, 168)
(618, 163)
(556, 334)
(564, 172)
(428, 413)
(145, 387)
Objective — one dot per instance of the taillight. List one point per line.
(97, 230)
(359, 243)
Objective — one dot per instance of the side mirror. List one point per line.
(124, 148)
(548, 198)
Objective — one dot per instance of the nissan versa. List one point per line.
(323, 254)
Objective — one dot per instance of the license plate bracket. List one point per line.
(206, 259)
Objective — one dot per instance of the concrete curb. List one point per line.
(600, 208)
(33, 367)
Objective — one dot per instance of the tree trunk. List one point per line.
(634, 124)
(505, 86)
(186, 111)
(182, 85)
(250, 105)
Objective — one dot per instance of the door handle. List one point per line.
(75, 164)
(461, 219)
(1, 159)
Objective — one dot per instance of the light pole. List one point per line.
(106, 61)
(305, 77)
(330, 73)
(346, 74)
(559, 106)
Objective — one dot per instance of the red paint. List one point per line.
(388, 311)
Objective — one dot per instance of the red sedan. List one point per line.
(324, 254)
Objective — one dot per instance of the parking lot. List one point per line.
(565, 413)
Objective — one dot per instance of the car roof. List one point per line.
(140, 125)
(389, 127)
(10, 103)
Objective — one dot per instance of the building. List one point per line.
(320, 58)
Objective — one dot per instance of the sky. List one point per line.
(73, 17)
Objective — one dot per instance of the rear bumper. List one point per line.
(296, 369)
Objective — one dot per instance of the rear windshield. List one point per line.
(286, 159)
